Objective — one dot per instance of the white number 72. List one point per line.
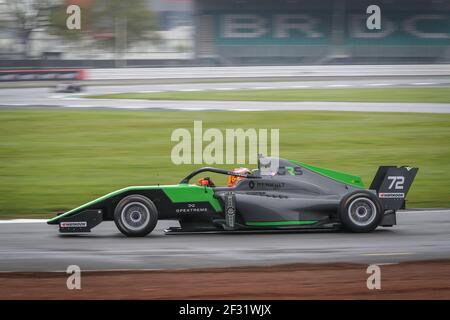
(396, 182)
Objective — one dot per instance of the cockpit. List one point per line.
(267, 166)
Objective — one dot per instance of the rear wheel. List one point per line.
(360, 211)
(136, 216)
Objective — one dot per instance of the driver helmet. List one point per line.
(232, 180)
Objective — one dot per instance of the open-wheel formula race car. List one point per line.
(278, 195)
(68, 88)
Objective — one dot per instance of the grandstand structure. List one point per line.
(321, 32)
(250, 32)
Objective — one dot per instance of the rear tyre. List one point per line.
(360, 211)
(135, 216)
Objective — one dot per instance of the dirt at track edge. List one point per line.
(409, 280)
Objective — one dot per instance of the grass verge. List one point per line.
(428, 95)
(53, 160)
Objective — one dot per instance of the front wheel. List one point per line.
(136, 216)
(360, 211)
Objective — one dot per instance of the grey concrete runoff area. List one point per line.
(46, 97)
(271, 72)
(36, 246)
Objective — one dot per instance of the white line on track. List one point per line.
(190, 90)
(378, 84)
(23, 221)
(262, 88)
(194, 109)
(298, 87)
(76, 98)
(338, 85)
(237, 109)
(423, 83)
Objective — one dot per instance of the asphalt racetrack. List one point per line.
(35, 97)
(419, 235)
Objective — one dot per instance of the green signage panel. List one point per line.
(321, 28)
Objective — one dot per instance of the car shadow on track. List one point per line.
(254, 233)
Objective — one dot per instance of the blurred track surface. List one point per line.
(419, 235)
(269, 72)
(29, 97)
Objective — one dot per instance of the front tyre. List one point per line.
(135, 216)
(360, 211)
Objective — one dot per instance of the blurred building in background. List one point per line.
(229, 32)
(325, 31)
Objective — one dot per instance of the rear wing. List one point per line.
(392, 185)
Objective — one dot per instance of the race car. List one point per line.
(68, 88)
(278, 195)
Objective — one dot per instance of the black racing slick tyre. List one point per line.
(360, 211)
(135, 216)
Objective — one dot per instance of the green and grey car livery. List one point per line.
(294, 196)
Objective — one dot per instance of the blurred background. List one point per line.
(116, 33)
